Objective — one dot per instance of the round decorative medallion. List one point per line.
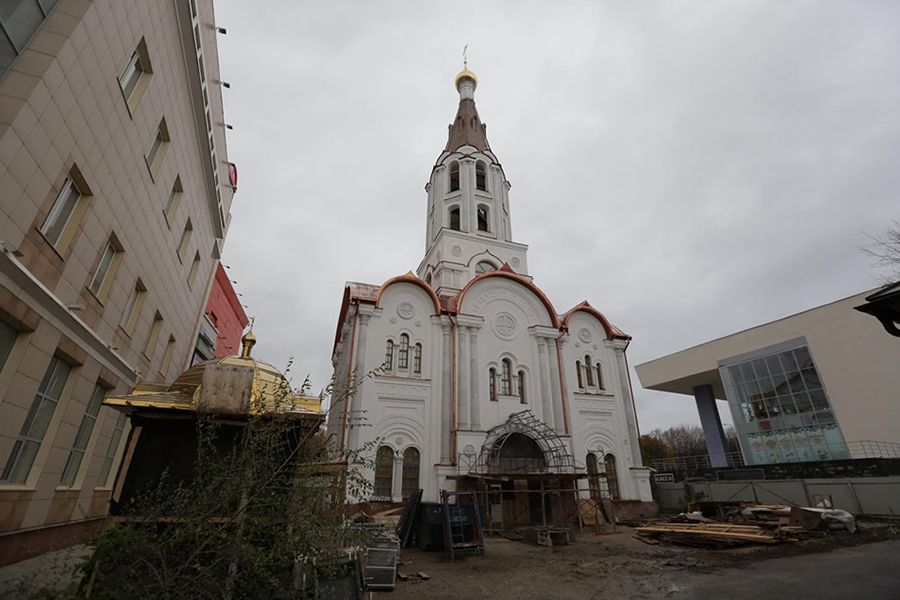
(515, 261)
(399, 440)
(393, 319)
(456, 250)
(505, 326)
(418, 323)
(584, 335)
(406, 310)
(469, 450)
(596, 347)
(577, 345)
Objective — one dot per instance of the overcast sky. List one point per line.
(690, 168)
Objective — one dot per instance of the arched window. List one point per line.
(417, 358)
(492, 383)
(384, 473)
(410, 482)
(578, 372)
(588, 371)
(521, 382)
(483, 218)
(599, 377)
(506, 378)
(484, 267)
(480, 176)
(593, 476)
(454, 176)
(403, 354)
(389, 356)
(428, 278)
(454, 218)
(612, 478)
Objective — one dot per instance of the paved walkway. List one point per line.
(868, 572)
(51, 572)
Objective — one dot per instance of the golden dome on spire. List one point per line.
(463, 75)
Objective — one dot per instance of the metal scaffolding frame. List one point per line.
(557, 458)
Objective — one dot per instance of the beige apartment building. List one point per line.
(115, 191)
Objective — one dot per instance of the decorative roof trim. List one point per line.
(410, 277)
(508, 273)
(612, 332)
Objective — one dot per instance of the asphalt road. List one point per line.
(868, 571)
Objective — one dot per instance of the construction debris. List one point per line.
(755, 523)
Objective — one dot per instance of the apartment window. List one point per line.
(506, 377)
(480, 176)
(60, 215)
(135, 76)
(417, 358)
(403, 354)
(185, 239)
(167, 358)
(454, 176)
(19, 20)
(109, 455)
(26, 447)
(133, 308)
(174, 200)
(389, 355)
(8, 337)
(195, 267)
(150, 346)
(158, 148)
(88, 420)
(106, 270)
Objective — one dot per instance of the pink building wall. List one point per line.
(226, 313)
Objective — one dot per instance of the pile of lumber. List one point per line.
(714, 535)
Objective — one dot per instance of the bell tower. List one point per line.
(468, 227)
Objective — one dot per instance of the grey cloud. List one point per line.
(691, 168)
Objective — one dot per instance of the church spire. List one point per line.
(467, 127)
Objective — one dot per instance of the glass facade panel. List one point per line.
(782, 410)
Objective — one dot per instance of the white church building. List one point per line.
(473, 376)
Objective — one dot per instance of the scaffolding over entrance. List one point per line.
(525, 475)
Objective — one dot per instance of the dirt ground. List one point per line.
(607, 566)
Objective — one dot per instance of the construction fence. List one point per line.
(877, 496)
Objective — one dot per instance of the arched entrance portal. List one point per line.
(516, 453)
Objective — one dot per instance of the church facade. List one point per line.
(465, 368)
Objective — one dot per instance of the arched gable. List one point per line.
(612, 332)
(523, 281)
(409, 277)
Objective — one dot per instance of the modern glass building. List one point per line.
(822, 384)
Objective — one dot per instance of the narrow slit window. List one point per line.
(506, 377)
(521, 382)
(454, 218)
(492, 382)
(480, 176)
(454, 176)
(483, 218)
(403, 354)
(588, 372)
(389, 355)
(417, 359)
(599, 376)
(578, 373)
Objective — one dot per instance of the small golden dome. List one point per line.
(247, 343)
(463, 75)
